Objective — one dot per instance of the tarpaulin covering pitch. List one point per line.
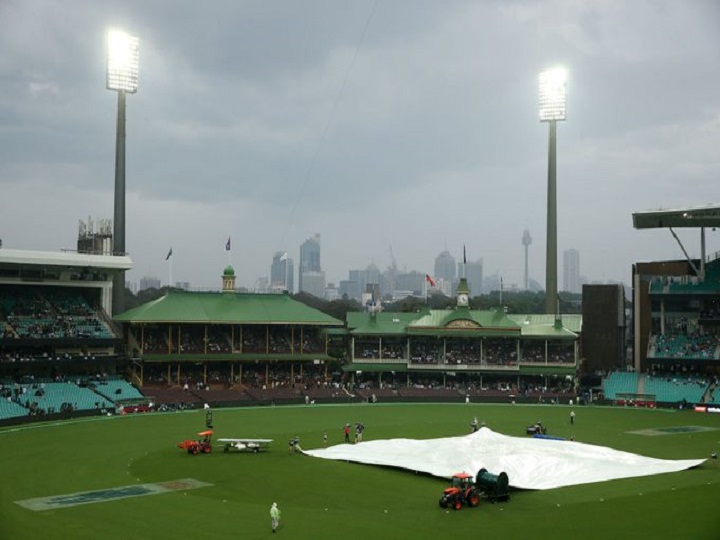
(530, 463)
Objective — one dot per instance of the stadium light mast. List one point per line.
(122, 76)
(552, 110)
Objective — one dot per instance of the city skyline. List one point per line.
(354, 282)
(394, 129)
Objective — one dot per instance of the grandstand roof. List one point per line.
(463, 318)
(544, 324)
(688, 217)
(226, 308)
(384, 322)
(461, 321)
(21, 257)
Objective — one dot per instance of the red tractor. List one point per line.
(461, 492)
(199, 446)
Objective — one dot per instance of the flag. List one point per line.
(227, 245)
(464, 257)
(430, 280)
(283, 257)
(169, 255)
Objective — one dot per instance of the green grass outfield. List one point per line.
(327, 499)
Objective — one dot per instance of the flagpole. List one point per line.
(169, 261)
(464, 260)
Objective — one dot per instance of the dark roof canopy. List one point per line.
(689, 217)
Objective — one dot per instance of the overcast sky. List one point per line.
(410, 124)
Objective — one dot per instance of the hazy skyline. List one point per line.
(411, 124)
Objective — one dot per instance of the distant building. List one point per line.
(149, 282)
(474, 275)
(311, 278)
(282, 273)
(411, 281)
(314, 283)
(261, 285)
(372, 275)
(332, 292)
(445, 266)
(184, 285)
(354, 286)
(571, 271)
(349, 289)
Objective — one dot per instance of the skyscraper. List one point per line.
(474, 275)
(311, 278)
(445, 266)
(571, 271)
(282, 272)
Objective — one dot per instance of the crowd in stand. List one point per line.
(47, 313)
(21, 356)
(499, 352)
(686, 345)
(250, 339)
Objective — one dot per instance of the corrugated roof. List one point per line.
(384, 323)
(226, 308)
(463, 320)
(439, 318)
(544, 324)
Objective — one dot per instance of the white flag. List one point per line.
(283, 257)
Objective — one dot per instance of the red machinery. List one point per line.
(196, 447)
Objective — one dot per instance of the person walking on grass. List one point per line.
(275, 516)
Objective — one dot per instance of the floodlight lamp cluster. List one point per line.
(553, 95)
(122, 62)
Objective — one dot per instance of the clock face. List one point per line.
(463, 299)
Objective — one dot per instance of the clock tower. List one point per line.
(463, 294)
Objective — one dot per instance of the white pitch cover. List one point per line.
(530, 463)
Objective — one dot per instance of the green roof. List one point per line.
(382, 323)
(544, 325)
(441, 318)
(461, 321)
(226, 308)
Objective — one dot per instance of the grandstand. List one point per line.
(187, 348)
(676, 320)
(55, 331)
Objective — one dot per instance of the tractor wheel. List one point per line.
(227, 448)
(194, 451)
(443, 502)
(457, 505)
(473, 499)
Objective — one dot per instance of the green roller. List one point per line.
(494, 487)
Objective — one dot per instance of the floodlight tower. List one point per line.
(552, 110)
(122, 76)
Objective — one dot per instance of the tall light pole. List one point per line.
(552, 110)
(122, 76)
